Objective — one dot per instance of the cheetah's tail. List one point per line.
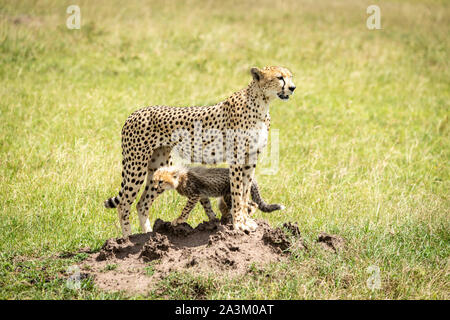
(262, 205)
(113, 202)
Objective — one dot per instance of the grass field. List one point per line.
(364, 141)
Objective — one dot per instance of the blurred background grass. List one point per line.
(364, 142)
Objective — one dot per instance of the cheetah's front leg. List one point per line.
(239, 210)
(247, 180)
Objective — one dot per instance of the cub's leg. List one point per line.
(225, 206)
(208, 209)
(186, 210)
(160, 157)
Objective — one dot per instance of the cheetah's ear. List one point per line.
(256, 73)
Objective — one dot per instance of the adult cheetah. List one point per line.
(150, 134)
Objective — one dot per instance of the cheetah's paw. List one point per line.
(177, 221)
(246, 225)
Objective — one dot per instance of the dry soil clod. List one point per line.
(331, 242)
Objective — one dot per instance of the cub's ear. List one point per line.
(256, 73)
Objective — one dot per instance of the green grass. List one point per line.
(364, 142)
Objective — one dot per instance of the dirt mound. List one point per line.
(134, 265)
(331, 242)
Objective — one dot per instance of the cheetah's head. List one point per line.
(166, 178)
(274, 82)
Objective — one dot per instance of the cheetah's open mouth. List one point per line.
(283, 96)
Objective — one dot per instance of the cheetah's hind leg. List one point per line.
(133, 178)
(160, 157)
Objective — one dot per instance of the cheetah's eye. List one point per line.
(280, 78)
(160, 182)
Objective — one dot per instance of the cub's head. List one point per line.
(274, 82)
(166, 178)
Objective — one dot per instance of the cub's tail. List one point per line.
(262, 205)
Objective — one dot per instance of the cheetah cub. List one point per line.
(201, 183)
